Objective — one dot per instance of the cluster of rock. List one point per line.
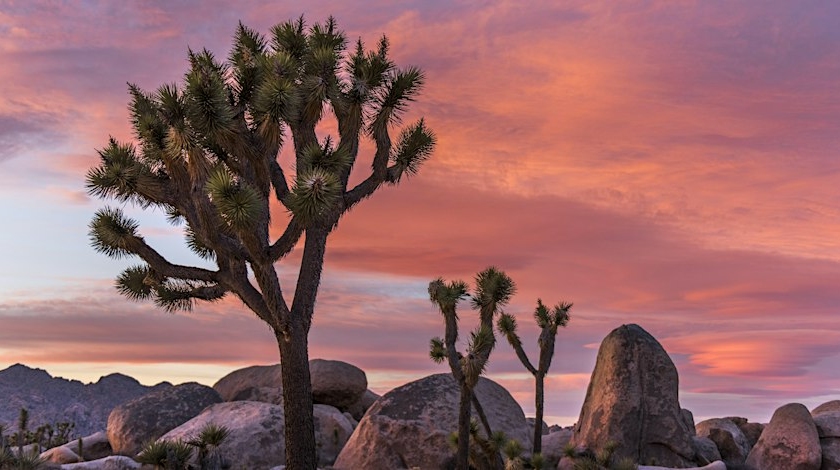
(632, 401)
(631, 406)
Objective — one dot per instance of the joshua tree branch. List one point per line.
(163, 267)
(283, 245)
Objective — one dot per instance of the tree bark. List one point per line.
(301, 453)
(462, 458)
(539, 402)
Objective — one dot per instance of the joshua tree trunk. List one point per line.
(463, 455)
(539, 402)
(297, 401)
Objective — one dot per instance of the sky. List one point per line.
(666, 163)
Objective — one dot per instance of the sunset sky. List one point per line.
(667, 163)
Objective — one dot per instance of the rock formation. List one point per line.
(632, 400)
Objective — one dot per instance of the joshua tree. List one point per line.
(548, 321)
(23, 429)
(493, 289)
(208, 156)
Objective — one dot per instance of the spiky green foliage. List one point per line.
(154, 453)
(28, 461)
(165, 454)
(512, 449)
(136, 283)
(569, 450)
(493, 289)
(207, 442)
(537, 461)
(7, 458)
(507, 326)
(207, 154)
(112, 233)
(315, 193)
(446, 296)
(437, 350)
(498, 440)
(213, 435)
(238, 203)
(415, 147)
(475, 362)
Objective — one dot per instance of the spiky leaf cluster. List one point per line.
(112, 233)
(556, 317)
(446, 295)
(437, 350)
(416, 143)
(493, 289)
(238, 203)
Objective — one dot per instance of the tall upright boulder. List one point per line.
(409, 426)
(789, 442)
(632, 400)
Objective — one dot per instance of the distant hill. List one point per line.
(54, 399)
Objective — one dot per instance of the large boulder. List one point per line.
(336, 383)
(255, 383)
(727, 436)
(114, 462)
(829, 406)
(257, 433)
(553, 445)
(409, 426)
(789, 442)
(633, 400)
(828, 429)
(256, 438)
(143, 419)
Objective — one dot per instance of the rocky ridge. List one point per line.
(55, 399)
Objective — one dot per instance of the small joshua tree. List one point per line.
(207, 442)
(493, 289)
(548, 321)
(23, 425)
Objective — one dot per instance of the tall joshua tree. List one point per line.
(207, 155)
(493, 290)
(548, 321)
